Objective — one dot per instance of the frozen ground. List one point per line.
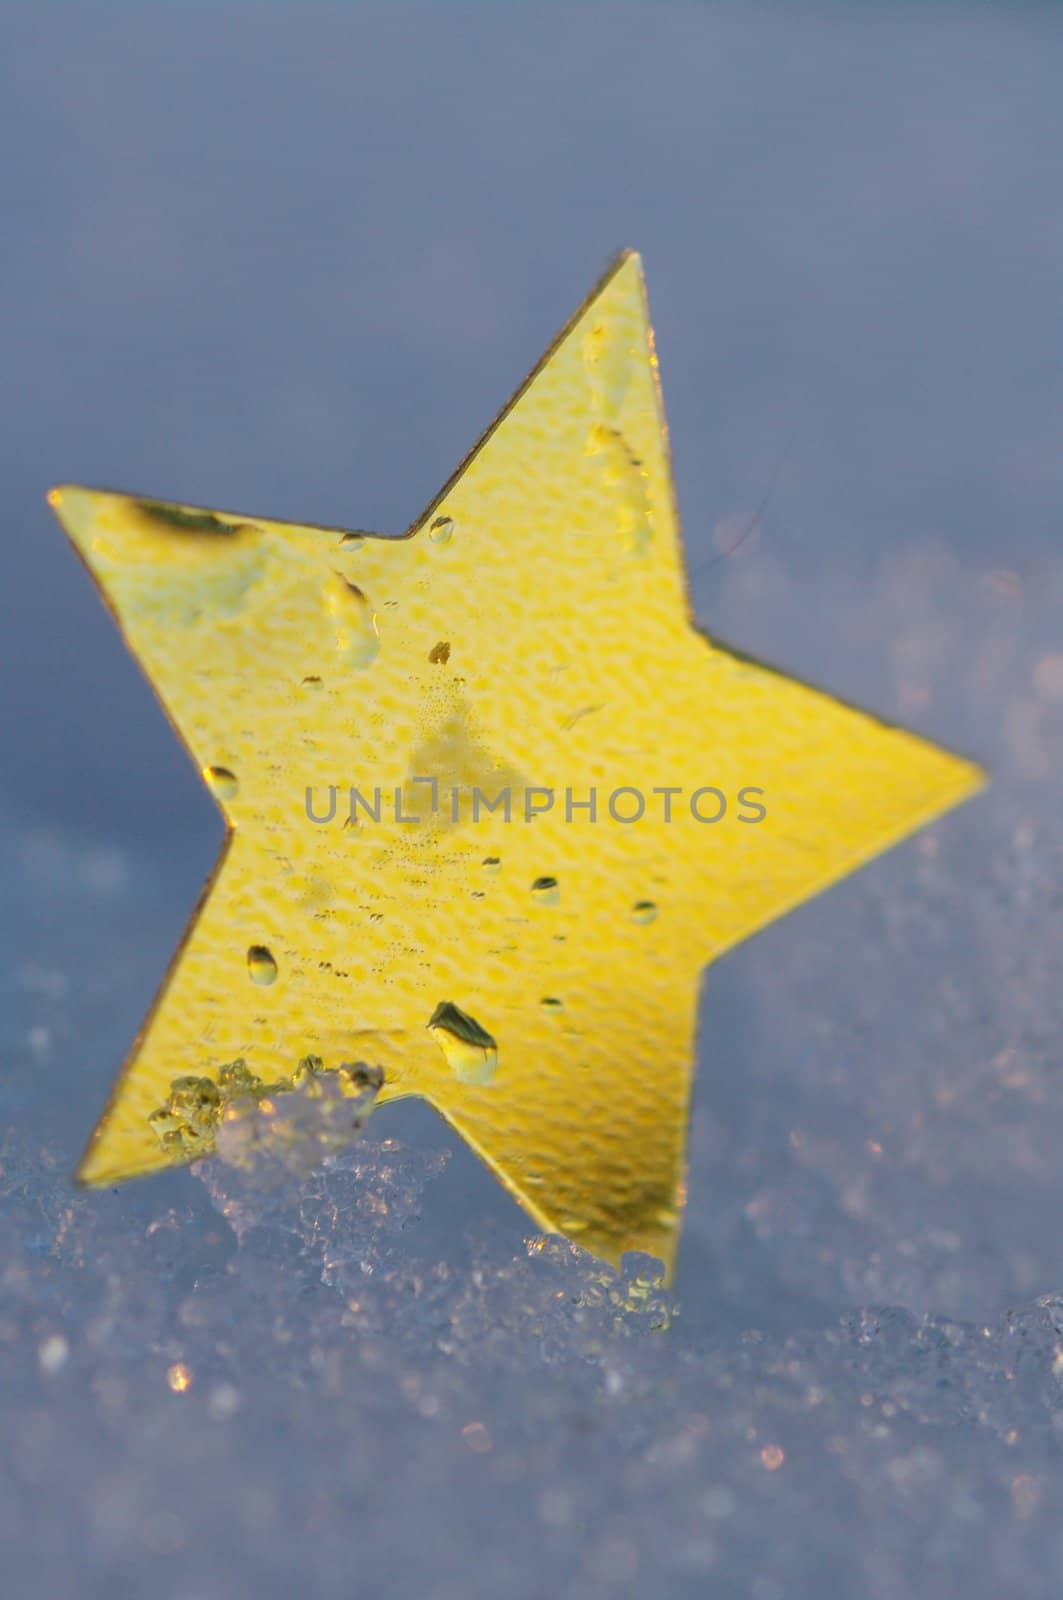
(364, 1380)
(289, 259)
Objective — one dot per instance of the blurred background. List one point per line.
(291, 260)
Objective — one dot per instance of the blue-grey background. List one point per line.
(291, 260)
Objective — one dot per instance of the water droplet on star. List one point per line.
(222, 782)
(261, 965)
(471, 1052)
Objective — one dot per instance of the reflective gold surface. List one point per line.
(536, 980)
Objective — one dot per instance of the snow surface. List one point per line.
(368, 1378)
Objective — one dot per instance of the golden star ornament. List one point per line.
(493, 800)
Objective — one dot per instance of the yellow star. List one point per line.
(529, 641)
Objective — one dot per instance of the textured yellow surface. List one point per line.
(531, 631)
